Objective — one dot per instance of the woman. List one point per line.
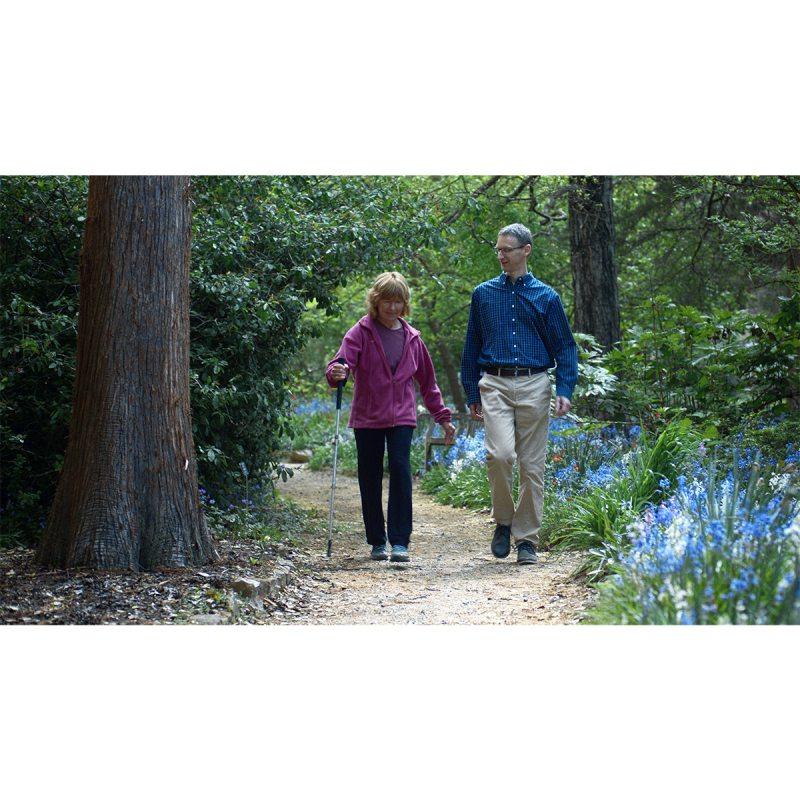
(386, 355)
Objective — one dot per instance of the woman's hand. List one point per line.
(339, 372)
(449, 432)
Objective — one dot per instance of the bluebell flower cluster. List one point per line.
(205, 498)
(579, 457)
(315, 406)
(716, 551)
(587, 458)
(466, 451)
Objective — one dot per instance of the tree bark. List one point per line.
(127, 496)
(594, 268)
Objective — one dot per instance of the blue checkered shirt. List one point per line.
(502, 331)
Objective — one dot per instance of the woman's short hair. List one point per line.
(388, 286)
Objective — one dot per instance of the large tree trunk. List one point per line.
(127, 496)
(594, 268)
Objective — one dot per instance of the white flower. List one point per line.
(778, 483)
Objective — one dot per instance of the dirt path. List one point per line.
(452, 576)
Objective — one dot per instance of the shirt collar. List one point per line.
(527, 279)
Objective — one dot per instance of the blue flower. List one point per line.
(716, 533)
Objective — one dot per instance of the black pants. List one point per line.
(371, 444)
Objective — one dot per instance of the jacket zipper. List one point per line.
(406, 349)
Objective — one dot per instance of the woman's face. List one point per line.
(390, 309)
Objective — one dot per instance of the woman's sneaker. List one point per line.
(399, 553)
(378, 552)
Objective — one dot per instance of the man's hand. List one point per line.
(449, 432)
(563, 405)
(476, 412)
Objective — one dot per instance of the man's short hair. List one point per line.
(519, 232)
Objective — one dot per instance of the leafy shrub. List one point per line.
(41, 224)
(261, 516)
(718, 370)
(772, 437)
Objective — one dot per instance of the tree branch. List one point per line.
(482, 189)
(791, 184)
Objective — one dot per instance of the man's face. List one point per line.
(511, 254)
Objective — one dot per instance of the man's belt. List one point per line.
(513, 372)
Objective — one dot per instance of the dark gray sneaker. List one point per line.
(399, 553)
(526, 553)
(501, 541)
(378, 552)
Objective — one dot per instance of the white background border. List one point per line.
(417, 88)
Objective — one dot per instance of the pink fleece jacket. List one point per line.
(380, 399)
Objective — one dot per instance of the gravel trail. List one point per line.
(452, 576)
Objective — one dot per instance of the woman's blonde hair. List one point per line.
(388, 286)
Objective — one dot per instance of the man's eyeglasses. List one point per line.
(506, 250)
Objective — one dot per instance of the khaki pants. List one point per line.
(516, 413)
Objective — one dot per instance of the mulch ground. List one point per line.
(30, 594)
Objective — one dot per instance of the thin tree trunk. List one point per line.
(127, 496)
(594, 268)
(440, 344)
(450, 370)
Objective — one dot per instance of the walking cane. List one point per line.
(339, 388)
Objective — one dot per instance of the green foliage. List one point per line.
(596, 383)
(310, 431)
(771, 439)
(718, 369)
(705, 241)
(469, 488)
(41, 223)
(265, 517)
(346, 457)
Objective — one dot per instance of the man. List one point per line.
(517, 330)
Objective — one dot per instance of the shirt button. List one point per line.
(514, 345)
